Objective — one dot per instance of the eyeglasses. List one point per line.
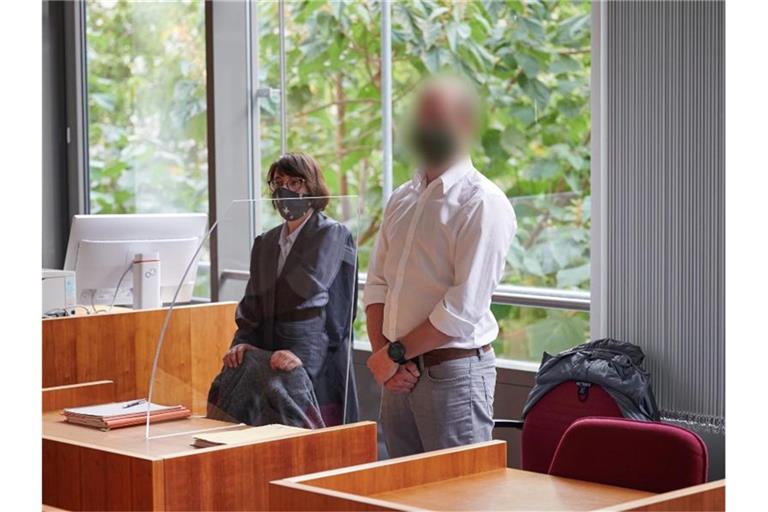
(291, 183)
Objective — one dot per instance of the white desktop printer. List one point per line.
(58, 291)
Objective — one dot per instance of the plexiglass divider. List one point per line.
(300, 298)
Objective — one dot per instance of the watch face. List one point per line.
(396, 351)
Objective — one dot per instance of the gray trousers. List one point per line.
(451, 405)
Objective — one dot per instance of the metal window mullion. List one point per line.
(253, 122)
(505, 294)
(386, 98)
(77, 107)
(283, 115)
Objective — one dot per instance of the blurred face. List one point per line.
(438, 107)
(442, 128)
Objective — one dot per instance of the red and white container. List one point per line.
(146, 281)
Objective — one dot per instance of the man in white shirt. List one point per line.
(439, 256)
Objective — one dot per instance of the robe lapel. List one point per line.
(299, 245)
(267, 268)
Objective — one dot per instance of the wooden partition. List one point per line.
(704, 497)
(86, 469)
(473, 477)
(77, 395)
(120, 347)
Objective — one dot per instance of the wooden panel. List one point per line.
(289, 496)
(173, 381)
(208, 345)
(76, 395)
(472, 477)
(61, 475)
(59, 354)
(237, 478)
(511, 489)
(103, 350)
(413, 470)
(80, 478)
(120, 346)
(704, 497)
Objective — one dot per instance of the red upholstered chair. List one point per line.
(648, 456)
(548, 419)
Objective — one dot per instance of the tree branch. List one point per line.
(337, 102)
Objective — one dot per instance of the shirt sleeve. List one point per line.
(481, 250)
(375, 291)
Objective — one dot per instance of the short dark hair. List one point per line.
(301, 165)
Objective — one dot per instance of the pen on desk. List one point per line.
(131, 404)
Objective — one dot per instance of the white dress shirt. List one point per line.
(440, 254)
(286, 243)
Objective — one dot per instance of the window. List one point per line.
(531, 61)
(146, 99)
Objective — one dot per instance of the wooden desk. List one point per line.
(472, 477)
(87, 469)
(120, 346)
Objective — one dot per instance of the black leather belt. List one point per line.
(297, 315)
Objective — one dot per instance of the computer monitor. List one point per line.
(101, 248)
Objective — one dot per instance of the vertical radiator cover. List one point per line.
(664, 209)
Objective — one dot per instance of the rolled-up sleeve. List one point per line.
(375, 291)
(481, 249)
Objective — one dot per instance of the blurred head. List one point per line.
(445, 119)
(299, 173)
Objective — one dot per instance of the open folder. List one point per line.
(245, 435)
(124, 414)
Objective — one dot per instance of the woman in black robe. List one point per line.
(300, 299)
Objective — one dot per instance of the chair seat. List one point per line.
(648, 456)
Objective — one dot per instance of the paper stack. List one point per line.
(245, 435)
(124, 414)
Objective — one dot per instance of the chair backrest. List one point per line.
(648, 456)
(547, 421)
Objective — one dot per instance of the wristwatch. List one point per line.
(396, 352)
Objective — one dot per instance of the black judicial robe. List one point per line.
(307, 309)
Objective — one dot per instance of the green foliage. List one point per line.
(530, 60)
(147, 107)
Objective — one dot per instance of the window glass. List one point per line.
(333, 108)
(146, 79)
(526, 333)
(530, 62)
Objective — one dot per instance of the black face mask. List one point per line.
(435, 145)
(291, 205)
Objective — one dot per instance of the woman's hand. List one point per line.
(284, 360)
(234, 356)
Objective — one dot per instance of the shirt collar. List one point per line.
(450, 177)
(285, 237)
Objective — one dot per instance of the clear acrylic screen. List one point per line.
(190, 345)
